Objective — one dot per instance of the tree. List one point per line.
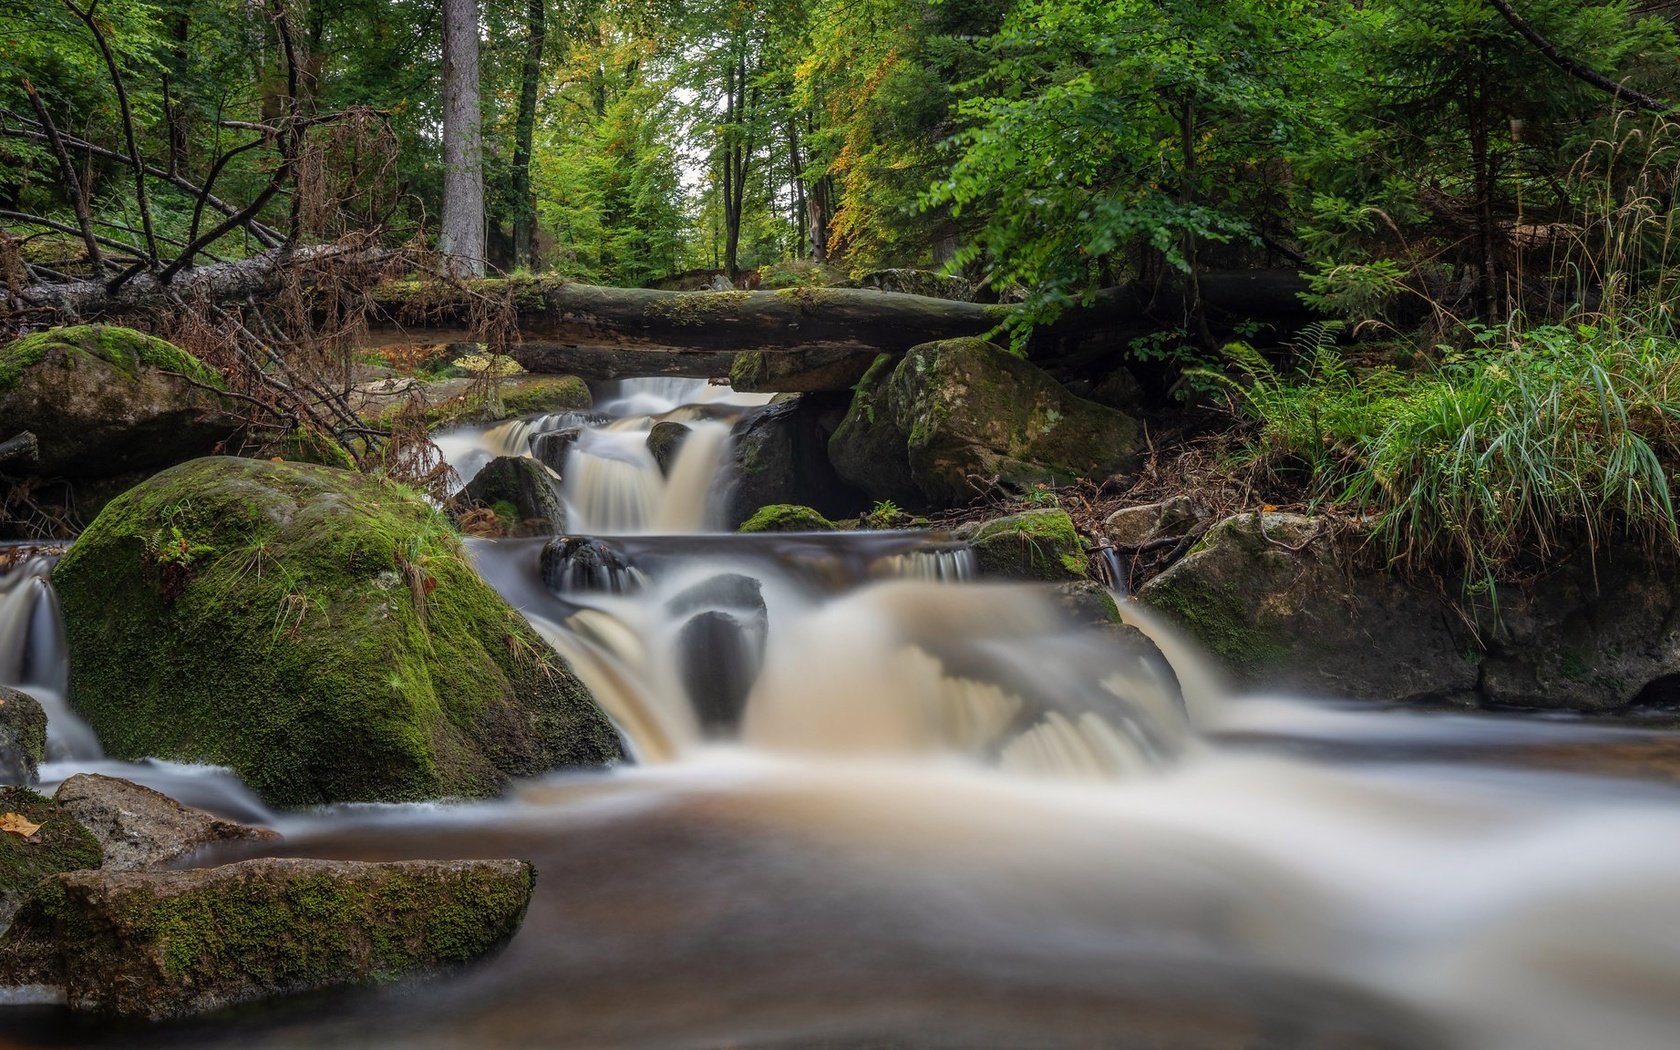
(461, 233)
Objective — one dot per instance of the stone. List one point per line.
(1033, 545)
(787, 517)
(61, 844)
(1119, 389)
(584, 564)
(1133, 528)
(23, 738)
(139, 828)
(521, 491)
(320, 632)
(779, 455)
(1283, 604)
(105, 401)
(664, 441)
(551, 447)
(168, 944)
(954, 418)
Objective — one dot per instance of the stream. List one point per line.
(877, 802)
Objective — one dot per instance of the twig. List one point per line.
(72, 184)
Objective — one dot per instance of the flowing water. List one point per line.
(880, 803)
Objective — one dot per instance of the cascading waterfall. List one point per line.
(32, 653)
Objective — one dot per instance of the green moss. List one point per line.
(1221, 617)
(691, 308)
(533, 394)
(787, 517)
(307, 445)
(64, 845)
(748, 370)
(1036, 544)
(124, 348)
(318, 631)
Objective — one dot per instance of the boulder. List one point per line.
(1119, 389)
(23, 738)
(551, 447)
(583, 564)
(138, 828)
(529, 395)
(58, 844)
(720, 646)
(1133, 528)
(320, 632)
(522, 493)
(953, 417)
(664, 441)
(780, 456)
(787, 517)
(156, 945)
(1032, 545)
(103, 401)
(1283, 603)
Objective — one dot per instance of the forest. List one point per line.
(840, 524)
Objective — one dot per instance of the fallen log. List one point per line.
(623, 362)
(23, 446)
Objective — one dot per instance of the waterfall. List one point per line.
(33, 655)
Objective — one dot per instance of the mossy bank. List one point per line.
(319, 631)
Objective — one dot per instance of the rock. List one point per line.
(140, 828)
(787, 517)
(529, 395)
(551, 448)
(61, 844)
(1278, 599)
(320, 632)
(1133, 528)
(156, 945)
(664, 441)
(583, 564)
(1090, 604)
(23, 738)
(780, 456)
(950, 417)
(517, 488)
(1032, 545)
(1119, 389)
(104, 400)
(720, 648)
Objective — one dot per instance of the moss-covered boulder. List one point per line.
(665, 440)
(530, 395)
(1032, 545)
(780, 455)
(787, 517)
(319, 631)
(105, 401)
(155, 945)
(58, 844)
(23, 738)
(1284, 604)
(954, 417)
(521, 491)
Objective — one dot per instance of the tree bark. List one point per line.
(23, 446)
(461, 236)
(525, 207)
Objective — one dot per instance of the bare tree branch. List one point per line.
(1574, 68)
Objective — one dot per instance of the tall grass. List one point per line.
(1534, 441)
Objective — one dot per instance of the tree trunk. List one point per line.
(525, 206)
(461, 236)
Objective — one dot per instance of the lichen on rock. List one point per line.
(318, 631)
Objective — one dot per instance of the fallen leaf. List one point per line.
(1268, 508)
(17, 824)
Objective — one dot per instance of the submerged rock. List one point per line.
(1032, 545)
(59, 844)
(951, 418)
(105, 401)
(155, 945)
(140, 828)
(787, 517)
(320, 632)
(583, 564)
(521, 491)
(720, 647)
(23, 738)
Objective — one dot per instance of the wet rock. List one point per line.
(1090, 604)
(784, 517)
(1282, 603)
(23, 738)
(551, 448)
(720, 649)
(664, 441)
(582, 564)
(521, 491)
(61, 844)
(140, 828)
(951, 418)
(1133, 528)
(104, 400)
(156, 945)
(320, 632)
(1032, 545)
(780, 456)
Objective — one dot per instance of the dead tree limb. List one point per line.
(23, 446)
(72, 184)
(1574, 68)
